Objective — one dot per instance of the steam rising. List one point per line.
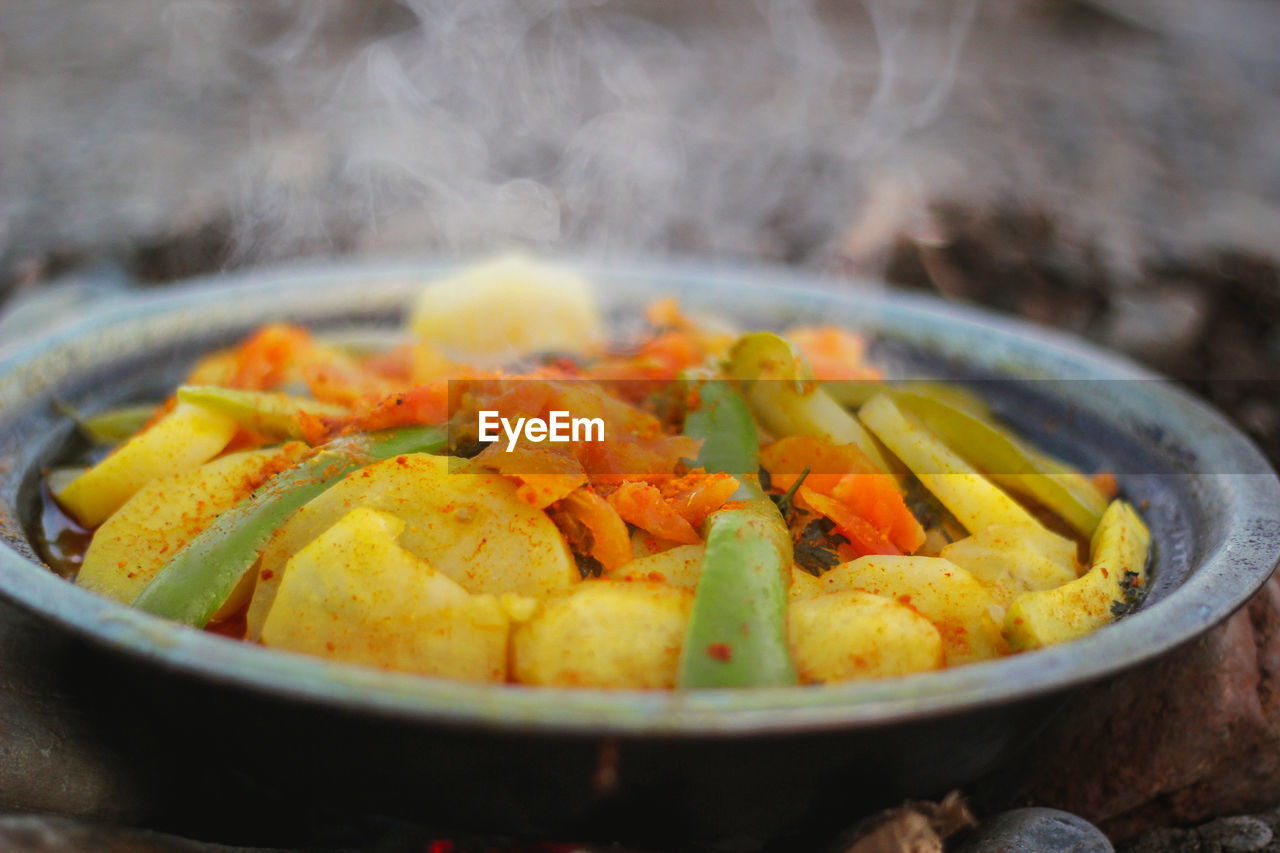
(785, 129)
(325, 126)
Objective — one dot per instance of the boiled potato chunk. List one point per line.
(850, 634)
(974, 500)
(618, 634)
(1012, 560)
(140, 537)
(355, 595)
(679, 566)
(184, 438)
(471, 527)
(1050, 616)
(508, 308)
(804, 585)
(940, 591)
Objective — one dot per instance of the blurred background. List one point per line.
(1106, 166)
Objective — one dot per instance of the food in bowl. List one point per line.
(511, 496)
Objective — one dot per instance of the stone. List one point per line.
(1036, 830)
(1242, 834)
(1236, 834)
(1192, 736)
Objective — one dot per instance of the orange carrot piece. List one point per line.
(875, 497)
(263, 361)
(424, 404)
(642, 504)
(610, 544)
(697, 495)
(787, 458)
(863, 537)
(833, 353)
(545, 474)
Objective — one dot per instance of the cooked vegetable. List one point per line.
(940, 591)
(723, 422)
(787, 401)
(688, 508)
(604, 634)
(1011, 560)
(973, 499)
(143, 535)
(853, 394)
(737, 631)
(112, 426)
(508, 308)
(202, 575)
(184, 438)
(1005, 460)
(1117, 573)
(680, 566)
(853, 634)
(471, 527)
(353, 594)
(269, 414)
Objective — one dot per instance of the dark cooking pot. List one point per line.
(201, 711)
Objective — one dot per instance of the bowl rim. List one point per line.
(1226, 578)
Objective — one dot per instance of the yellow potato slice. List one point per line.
(508, 308)
(618, 634)
(184, 438)
(1012, 560)
(958, 605)
(804, 585)
(679, 566)
(850, 634)
(140, 537)
(355, 595)
(1072, 610)
(469, 526)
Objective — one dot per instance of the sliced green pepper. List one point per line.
(112, 426)
(852, 393)
(202, 575)
(729, 441)
(737, 634)
(270, 414)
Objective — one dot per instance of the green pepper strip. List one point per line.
(266, 413)
(1007, 461)
(737, 634)
(853, 393)
(200, 577)
(112, 426)
(729, 443)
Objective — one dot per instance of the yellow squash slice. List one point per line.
(184, 438)
(1117, 567)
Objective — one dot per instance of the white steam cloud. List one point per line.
(319, 126)
(795, 130)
